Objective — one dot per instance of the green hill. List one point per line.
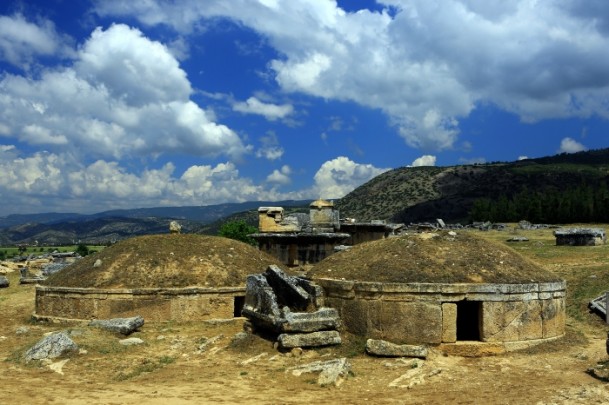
(416, 194)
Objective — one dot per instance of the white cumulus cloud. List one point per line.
(281, 176)
(337, 177)
(124, 96)
(425, 160)
(271, 112)
(21, 41)
(425, 63)
(569, 145)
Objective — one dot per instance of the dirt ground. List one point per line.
(205, 363)
(171, 368)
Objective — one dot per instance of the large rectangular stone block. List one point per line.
(449, 323)
(511, 321)
(411, 322)
(553, 317)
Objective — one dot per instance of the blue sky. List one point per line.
(124, 104)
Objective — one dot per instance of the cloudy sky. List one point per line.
(123, 104)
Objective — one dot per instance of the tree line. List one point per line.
(583, 203)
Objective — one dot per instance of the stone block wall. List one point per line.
(177, 304)
(420, 313)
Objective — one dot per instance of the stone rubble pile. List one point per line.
(291, 307)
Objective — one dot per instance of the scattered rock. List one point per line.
(58, 366)
(600, 371)
(125, 326)
(518, 239)
(413, 377)
(208, 342)
(51, 346)
(387, 349)
(22, 330)
(97, 263)
(254, 359)
(4, 283)
(131, 341)
(331, 372)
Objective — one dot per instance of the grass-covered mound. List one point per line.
(162, 261)
(432, 258)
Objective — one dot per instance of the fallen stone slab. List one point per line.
(52, 346)
(287, 289)
(331, 372)
(4, 283)
(322, 319)
(125, 326)
(314, 339)
(260, 297)
(383, 348)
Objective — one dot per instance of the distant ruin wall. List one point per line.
(419, 313)
(154, 304)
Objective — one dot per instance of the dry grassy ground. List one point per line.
(172, 367)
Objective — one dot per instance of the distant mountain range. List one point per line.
(108, 226)
(407, 194)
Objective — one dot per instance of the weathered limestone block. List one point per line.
(314, 339)
(125, 326)
(411, 322)
(322, 319)
(361, 317)
(449, 323)
(511, 321)
(52, 346)
(387, 349)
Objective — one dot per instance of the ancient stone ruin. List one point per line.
(580, 236)
(290, 307)
(301, 239)
(442, 289)
(159, 277)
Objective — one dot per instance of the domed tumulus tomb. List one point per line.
(175, 277)
(443, 289)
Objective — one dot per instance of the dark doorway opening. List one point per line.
(469, 320)
(238, 306)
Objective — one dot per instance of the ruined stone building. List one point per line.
(173, 277)
(580, 236)
(441, 289)
(300, 239)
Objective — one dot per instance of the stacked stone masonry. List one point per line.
(154, 304)
(418, 313)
